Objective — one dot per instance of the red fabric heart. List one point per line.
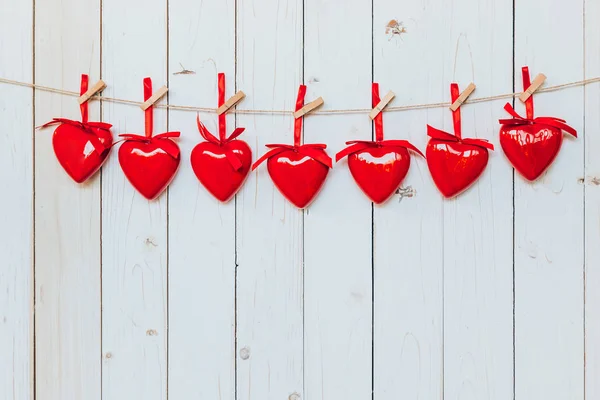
(531, 144)
(149, 165)
(215, 172)
(379, 166)
(298, 171)
(75, 152)
(455, 163)
(298, 177)
(221, 164)
(454, 166)
(81, 147)
(379, 171)
(149, 162)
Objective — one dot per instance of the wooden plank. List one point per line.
(134, 230)
(201, 230)
(67, 215)
(16, 218)
(478, 225)
(408, 241)
(549, 335)
(337, 226)
(592, 201)
(269, 228)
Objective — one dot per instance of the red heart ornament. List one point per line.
(214, 170)
(298, 177)
(455, 166)
(150, 166)
(81, 147)
(149, 162)
(530, 148)
(531, 144)
(75, 151)
(221, 164)
(455, 163)
(379, 166)
(379, 171)
(298, 171)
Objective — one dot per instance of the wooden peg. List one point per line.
(535, 85)
(154, 98)
(308, 108)
(463, 96)
(232, 101)
(384, 102)
(100, 85)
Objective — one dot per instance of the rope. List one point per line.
(286, 112)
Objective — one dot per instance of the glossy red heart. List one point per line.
(75, 152)
(298, 177)
(379, 171)
(214, 170)
(531, 148)
(149, 165)
(454, 166)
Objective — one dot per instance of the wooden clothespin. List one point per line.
(382, 104)
(154, 98)
(463, 96)
(308, 108)
(98, 86)
(232, 101)
(535, 85)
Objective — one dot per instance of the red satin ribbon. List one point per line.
(359, 145)
(174, 152)
(456, 119)
(87, 127)
(149, 123)
(310, 150)
(83, 107)
(149, 113)
(530, 119)
(205, 133)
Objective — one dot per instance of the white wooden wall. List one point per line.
(106, 296)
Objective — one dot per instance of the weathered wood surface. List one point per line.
(104, 295)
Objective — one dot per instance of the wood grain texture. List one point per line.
(408, 229)
(549, 341)
(592, 202)
(201, 229)
(478, 225)
(16, 219)
(134, 230)
(337, 226)
(184, 297)
(67, 215)
(269, 228)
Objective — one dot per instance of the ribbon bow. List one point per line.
(530, 120)
(313, 150)
(233, 159)
(358, 145)
(457, 137)
(149, 124)
(84, 125)
(172, 151)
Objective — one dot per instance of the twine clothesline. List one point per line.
(286, 112)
